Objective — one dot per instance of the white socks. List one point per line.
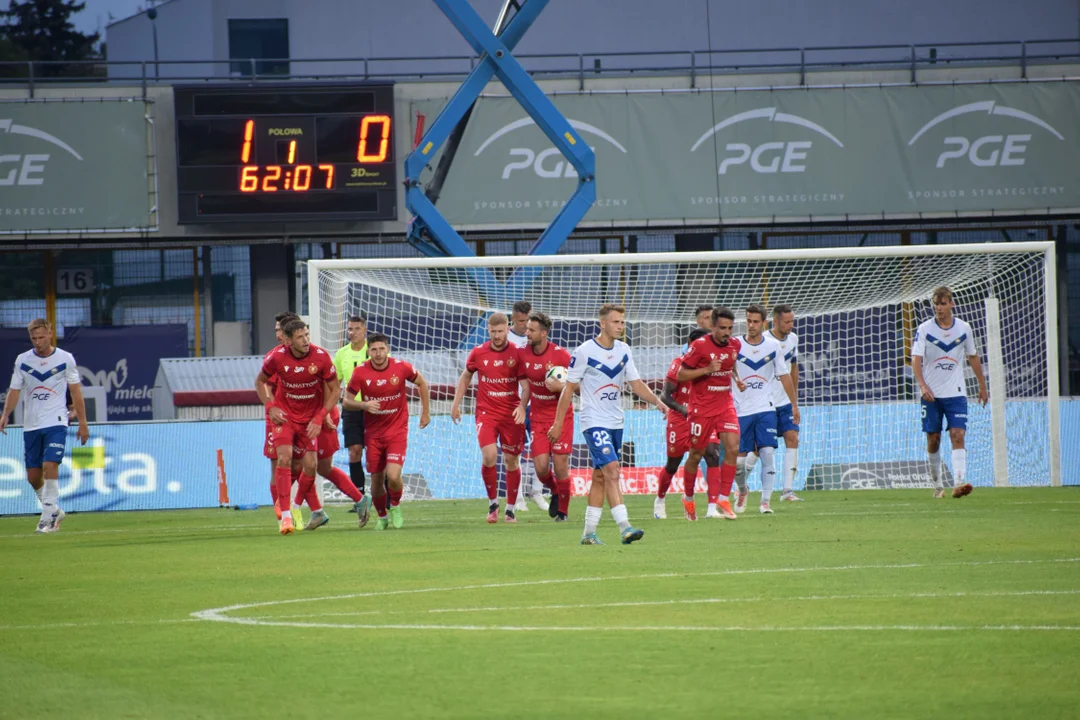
(592, 518)
(50, 494)
(39, 491)
(740, 475)
(768, 473)
(959, 466)
(935, 469)
(791, 464)
(618, 513)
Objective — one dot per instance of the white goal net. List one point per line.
(856, 312)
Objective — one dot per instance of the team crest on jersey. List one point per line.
(548, 366)
(312, 368)
(394, 380)
(54, 370)
(511, 362)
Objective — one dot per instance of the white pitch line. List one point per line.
(53, 626)
(221, 614)
(699, 601)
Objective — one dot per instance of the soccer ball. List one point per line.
(558, 373)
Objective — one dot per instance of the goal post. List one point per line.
(856, 311)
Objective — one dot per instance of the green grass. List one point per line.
(865, 604)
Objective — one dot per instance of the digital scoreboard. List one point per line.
(285, 152)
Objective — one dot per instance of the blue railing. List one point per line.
(912, 58)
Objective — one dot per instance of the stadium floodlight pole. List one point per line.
(429, 230)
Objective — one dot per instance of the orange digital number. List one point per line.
(249, 130)
(249, 179)
(292, 151)
(329, 175)
(384, 139)
(273, 174)
(302, 181)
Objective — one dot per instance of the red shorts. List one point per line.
(383, 451)
(707, 430)
(491, 429)
(542, 445)
(328, 442)
(678, 434)
(294, 434)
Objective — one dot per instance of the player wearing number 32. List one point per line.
(599, 367)
(941, 344)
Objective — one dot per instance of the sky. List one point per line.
(96, 15)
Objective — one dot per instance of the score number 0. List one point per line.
(301, 180)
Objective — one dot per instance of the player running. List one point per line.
(675, 395)
(519, 337)
(761, 367)
(942, 343)
(386, 424)
(307, 387)
(500, 412)
(269, 451)
(47, 374)
(599, 368)
(710, 365)
(539, 357)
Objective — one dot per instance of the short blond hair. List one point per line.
(38, 323)
(942, 292)
(497, 319)
(608, 308)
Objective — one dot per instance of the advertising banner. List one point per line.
(73, 166)
(123, 360)
(788, 155)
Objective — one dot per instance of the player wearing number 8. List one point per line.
(599, 368)
(941, 344)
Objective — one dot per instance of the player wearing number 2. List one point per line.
(599, 368)
(941, 344)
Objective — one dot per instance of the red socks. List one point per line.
(513, 485)
(283, 477)
(727, 478)
(345, 484)
(714, 483)
(564, 495)
(689, 480)
(665, 483)
(380, 504)
(548, 482)
(491, 481)
(273, 488)
(395, 497)
(307, 491)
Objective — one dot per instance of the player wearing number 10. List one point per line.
(942, 342)
(599, 367)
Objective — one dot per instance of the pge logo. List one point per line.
(755, 384)
(30, 166)
(43, 395)
(770, 157)
(547, 163)
(987, 150)
(948, 366)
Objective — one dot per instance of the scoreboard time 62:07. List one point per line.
(285, 152)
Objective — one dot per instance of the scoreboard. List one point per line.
(285, 152)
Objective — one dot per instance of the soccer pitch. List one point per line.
(852, 604)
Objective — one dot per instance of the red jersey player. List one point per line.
(710, 365)
(307, 387)
(500, 411)
(676, 395)
(538, 357)
(381, 382)
(268, 445)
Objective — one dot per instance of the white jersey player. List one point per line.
(762, 367)
(787, 426)
(43, 377)
(600, 367)
(937, 361)
(518, 337)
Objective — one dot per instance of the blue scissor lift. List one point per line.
(429, 231)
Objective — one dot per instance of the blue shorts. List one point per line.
(45, 445)
(603, 445)
(785, 421)
(757, 430)
(953, 409)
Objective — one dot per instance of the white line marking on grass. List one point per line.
(52, 626)
(221, 614)
(699, 601)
